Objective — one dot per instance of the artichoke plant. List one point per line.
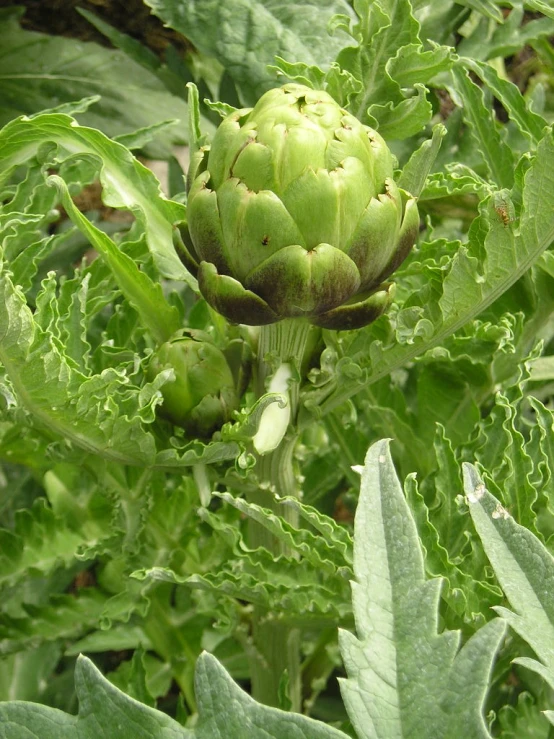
(202, 397)
(293, 211)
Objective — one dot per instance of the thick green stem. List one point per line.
(277, 645)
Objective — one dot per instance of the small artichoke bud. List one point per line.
(294, 212)
(276, 417)
(202, 397)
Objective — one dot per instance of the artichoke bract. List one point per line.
(202, 397)
(294, 212)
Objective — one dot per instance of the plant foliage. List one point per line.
(385, 594)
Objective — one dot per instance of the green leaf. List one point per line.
(504, 454)
(224, 711)
(457, 180)
(24, 676)
(316, 592)
(103, 710)
(227, 711)
(139, 138)
(418, 166)
(523, 719)
(442, 524)
(246, 35)
(488, 8)
(387, 27)
(525, 571)
(404, 119)
(530, 124)
(509, 38)
(102, 413)
(404, 678)
(196, 137)
(541, 7)
(134, 679)
(118, 637)
(545, 427)
(131, 46)
(39, 543)
(412, 64)
(311, 547)
(126, 183)
(497, 156)
(143, 294)
(195, 452)
(73, 107)
(38, 71)
(62, 617)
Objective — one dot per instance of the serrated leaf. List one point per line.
(418, 166)
(74, 107)
(509, 38)
(103, 710)
(457, 180)
(404, 119)
(529, 123)
(412, 64)
(295, 597)
(497, 156)
(504, 454)
(545, 426)
(524, 718)
(388, 27)
(224, 710)
(217, 693)
(142, 136)
(145, 295)
(98, 413)
(311, 547)
(39, 543)
(126, 182)
(62, 617)
(73, 325)
(388, 692)
(337, 536)
(524, 568)
(196, 452)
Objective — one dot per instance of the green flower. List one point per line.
(294, 212)
(202, 397)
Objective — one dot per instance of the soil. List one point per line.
(133, 17)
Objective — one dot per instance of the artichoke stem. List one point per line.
(277, 644)
(285, 341)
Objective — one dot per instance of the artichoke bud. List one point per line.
(203, 396)
(294, 212)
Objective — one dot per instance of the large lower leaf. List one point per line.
(38, 71)
(524, 568)
(406, 680)
(247, 35)
(224, 709)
